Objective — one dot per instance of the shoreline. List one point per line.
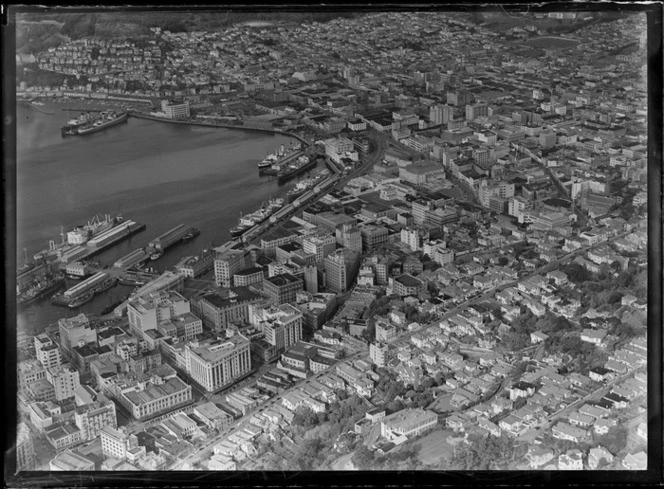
(132, 112)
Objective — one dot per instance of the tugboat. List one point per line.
(156, 255)
(190, 235)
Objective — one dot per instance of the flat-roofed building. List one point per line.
(221, 309)
(406, 284)
(75, 330)
(63, 435)
(91, 418)
(373, 237)
(184, 327)
(119, 443)
(30, 371)
(156, 396)
(274, 238)
(146, 312)
(350, 237)
(64, 379)
(70, 461)
(341, 267)
(418, 174)
(281, 325)
(215, 364)
(248, 276)
(380, 353)
(48, 353)
(26, 458)
(282, 288)
(226, 264)
(213, 417)
(319, 244)
(195, 266)
(176, 110)
(407, 422)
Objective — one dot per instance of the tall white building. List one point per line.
(281, 325)
(174, 110)
(226, 265)
(319, 244)
(47, 351)
(146, 312)
(214, 364)
(65, 380)
(117, 443)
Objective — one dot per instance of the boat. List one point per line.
(272, 162)
(132, 280)
(156, 255)
(190, 235)
(300, 188)
(39, 291)
(111, 307)
(91, 125)
(79, 301)
(300, 165)
(105, 285)
(237, 231)
(248, 221)
(267, 161)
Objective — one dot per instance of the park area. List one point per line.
(434, 446)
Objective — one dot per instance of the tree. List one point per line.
(305, 416)
(615, 440)
(502, 261)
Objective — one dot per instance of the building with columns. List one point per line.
(215, 364)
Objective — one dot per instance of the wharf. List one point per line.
(79, 252)
(170, 237)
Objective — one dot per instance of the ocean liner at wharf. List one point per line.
(272, 162)
(247, 222)
(302, 186)
(87, 240)
(88, 124)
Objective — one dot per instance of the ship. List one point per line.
(302, 164)
(272, 162)
(193, 232)
(79, 235)
(301, 187)
(247, 222)
(156, 255)
(136, 278)
(79, 301)
(111, 307)
(91, 125)
(39, 291)
(267, 161)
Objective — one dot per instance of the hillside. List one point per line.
(38, 31)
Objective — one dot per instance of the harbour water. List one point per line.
(154, 173)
